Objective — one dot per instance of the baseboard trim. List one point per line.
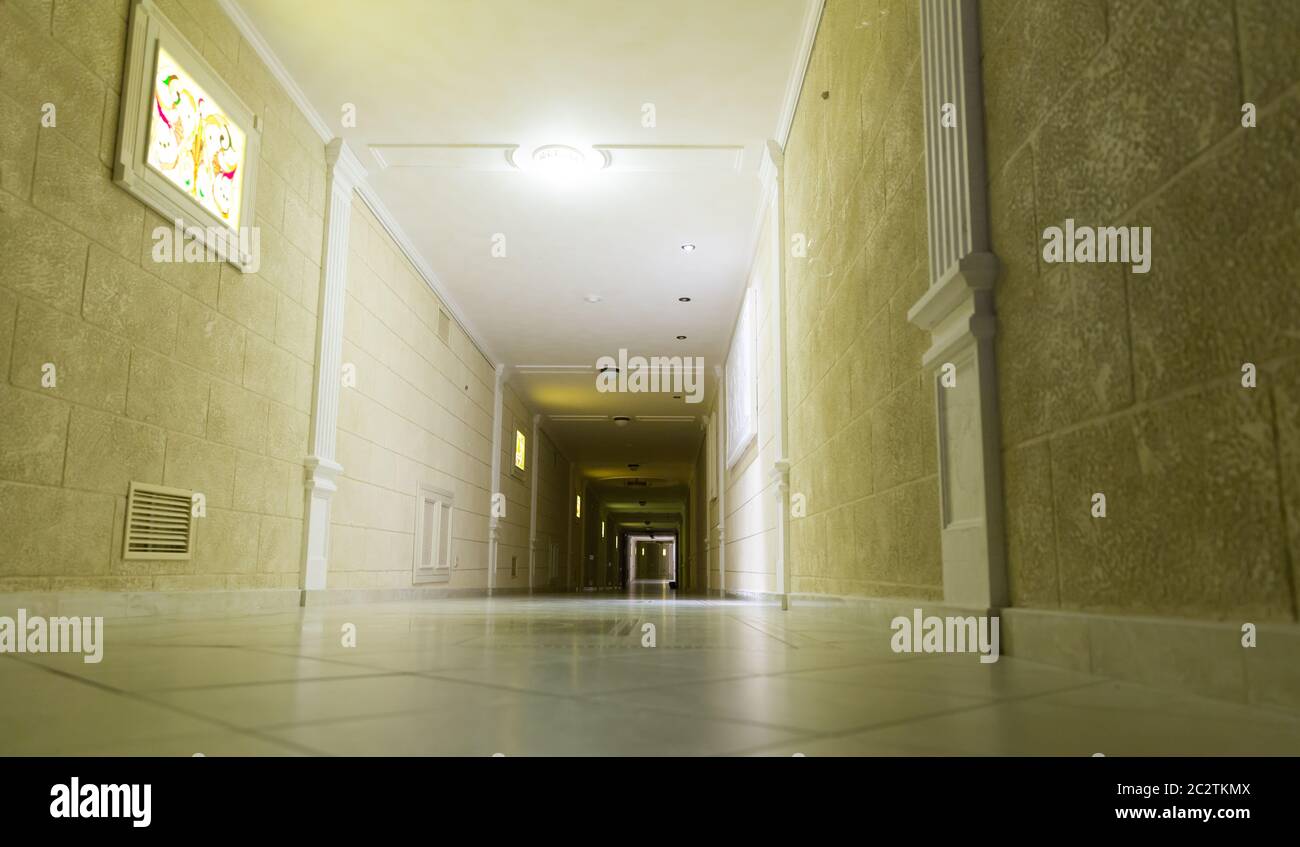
(1176, 654)
(136, 604)
(139, 604)
(354, 596)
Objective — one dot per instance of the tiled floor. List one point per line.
(569, 676)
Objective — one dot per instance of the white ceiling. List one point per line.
(575, 72)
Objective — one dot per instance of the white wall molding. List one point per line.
(957, 310)
(767, 172)
(799, 70)
(281, 74)
(530, 456)
(720, 433)
(264, 52)
(780, 471)
(342, 174)
(494, 485)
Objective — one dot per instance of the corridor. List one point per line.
(664, 378)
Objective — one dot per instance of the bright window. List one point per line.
(521, 449)
(193, 144)
(577, 510)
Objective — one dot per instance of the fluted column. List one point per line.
(343, 173)
(957, 310)
(494, 522)
(773, 176)
(534, 476)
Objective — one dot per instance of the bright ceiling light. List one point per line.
(559, 159)
(688, 247)
(592, 298)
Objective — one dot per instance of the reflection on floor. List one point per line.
(569, 676)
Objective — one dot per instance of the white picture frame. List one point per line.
(742, 382)
(149, 32)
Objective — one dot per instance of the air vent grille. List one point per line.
(158, 522)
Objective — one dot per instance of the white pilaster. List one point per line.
(958, 311)
(532, 502)
(774, 182)
(720, 432)
(494, 523)
(343, 172)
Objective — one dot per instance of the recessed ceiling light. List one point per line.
(592, 298)
(681, 338)
(677, 396)
(683, 299)
(622, 420)
(633, 467)
(688, 247)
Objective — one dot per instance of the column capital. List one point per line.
(342, 166)
(321, 475)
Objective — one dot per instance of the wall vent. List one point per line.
(444, 326)
(159, 522)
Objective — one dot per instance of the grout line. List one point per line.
(829, 736)
(135, 697)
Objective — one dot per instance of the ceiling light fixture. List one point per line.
(688, 247)
(621, 420)
(683, 299)
(559, 159)
(681, 338)
(592, 298)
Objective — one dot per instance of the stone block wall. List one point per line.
(1126, 113)
(190, 375)
(861, 412)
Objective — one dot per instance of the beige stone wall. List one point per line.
(189, 375)
(421, 413)
(1129, 113)
(861, 413)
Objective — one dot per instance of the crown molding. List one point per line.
(808, 34)
(245, 26)
(770, 161)
(367, 193)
